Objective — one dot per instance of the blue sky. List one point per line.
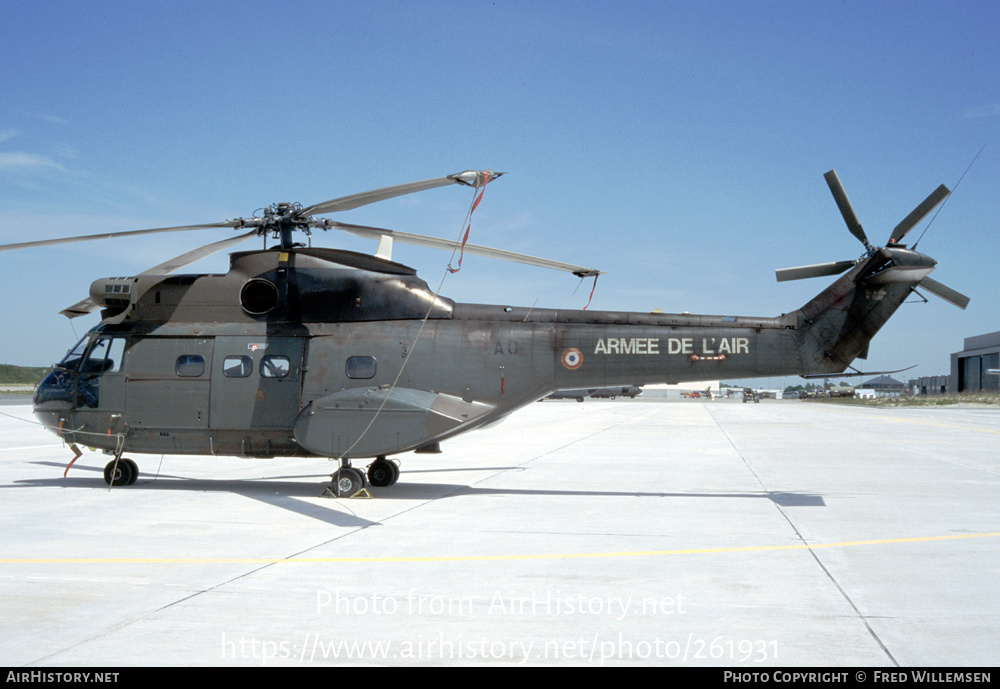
(679, 147)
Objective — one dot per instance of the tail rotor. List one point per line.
(893, 262)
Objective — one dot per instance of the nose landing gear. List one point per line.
(121, 472)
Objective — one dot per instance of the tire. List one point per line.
(135, 471)
(383, 473)
(347, 482)
(124, 474)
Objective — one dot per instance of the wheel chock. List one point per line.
(328, 492)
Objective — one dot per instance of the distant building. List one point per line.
(929, 385)
(969, 368)
(884, 386)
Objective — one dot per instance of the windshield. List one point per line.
(104, 355)
(72, 359)
(77, 378)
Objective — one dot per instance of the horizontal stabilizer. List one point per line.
(856, 372)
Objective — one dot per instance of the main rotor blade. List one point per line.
(197, 254)
(113, 235)
(945, 292)
(345, 203)
(844, 204)
(81, 308)
(447, 244)
(88, 305)
(918, 213)
(813, 271)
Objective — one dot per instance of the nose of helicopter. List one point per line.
(53, 398)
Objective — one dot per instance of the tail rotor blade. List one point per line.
(918, 213)
(844, 204)
(813, 271)
(944, 292)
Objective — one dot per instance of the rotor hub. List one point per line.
(282, 220)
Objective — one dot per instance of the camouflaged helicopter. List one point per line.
(317, 352)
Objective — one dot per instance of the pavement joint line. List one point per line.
(475, 558)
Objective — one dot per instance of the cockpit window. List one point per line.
(77, 378)
(105, 356)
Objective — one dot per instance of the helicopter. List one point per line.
(301, 351)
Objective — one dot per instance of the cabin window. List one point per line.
(275, 366)
(237, 366)
(361, 367)
(190, 365)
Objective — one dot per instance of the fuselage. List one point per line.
(289, 354)
(377, 387)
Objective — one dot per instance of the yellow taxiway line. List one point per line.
(474, 558)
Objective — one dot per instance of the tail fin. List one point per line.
(840, 321)
(837, 325)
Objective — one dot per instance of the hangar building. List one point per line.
(969, 367)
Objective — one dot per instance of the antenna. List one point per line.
(946, 200)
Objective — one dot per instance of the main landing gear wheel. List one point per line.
(383, 473)
(348, 482)
(121, 472)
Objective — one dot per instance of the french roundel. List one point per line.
(572, 358)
